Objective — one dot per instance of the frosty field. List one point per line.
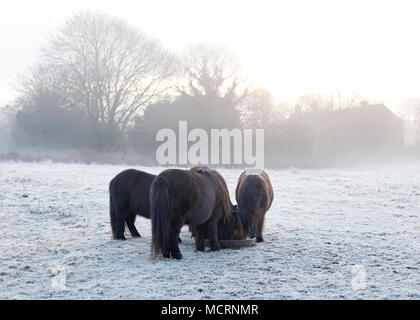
(337, 233)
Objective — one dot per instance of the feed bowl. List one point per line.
(234, 244)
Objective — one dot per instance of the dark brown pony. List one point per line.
(129, 197)
(227, 229)
(193, 197)
(231, 227)
(254, 195)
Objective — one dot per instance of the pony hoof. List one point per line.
(215, 247)
(259, 239)
(177, 256)
(136, 236)
(179, 240)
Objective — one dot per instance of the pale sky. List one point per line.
(289, 47)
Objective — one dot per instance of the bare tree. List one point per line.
(340, 101)
(314, 102)
(104, 68)
(260, 109)
(6, 119)
(409, 110)
(321, 118)
(213, 71)
(334, 101)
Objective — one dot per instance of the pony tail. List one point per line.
(160, 215)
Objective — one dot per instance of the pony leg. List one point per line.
(130, 224)
(200, 233)
(260, 227)
(212, 234)
(119, 228)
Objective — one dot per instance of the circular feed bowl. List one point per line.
(234, 244)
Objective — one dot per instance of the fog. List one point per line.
(331, 84)
(323, 96)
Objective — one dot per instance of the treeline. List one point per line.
(102, 84)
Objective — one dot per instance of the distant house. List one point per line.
(370, 126)
(367, 127)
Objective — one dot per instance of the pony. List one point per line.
(193, 197)
(227, 229)
(230, 228)
(254, 195)
(129, 197)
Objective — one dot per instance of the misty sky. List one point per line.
(290, 47)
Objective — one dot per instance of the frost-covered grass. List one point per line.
(330, 234)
